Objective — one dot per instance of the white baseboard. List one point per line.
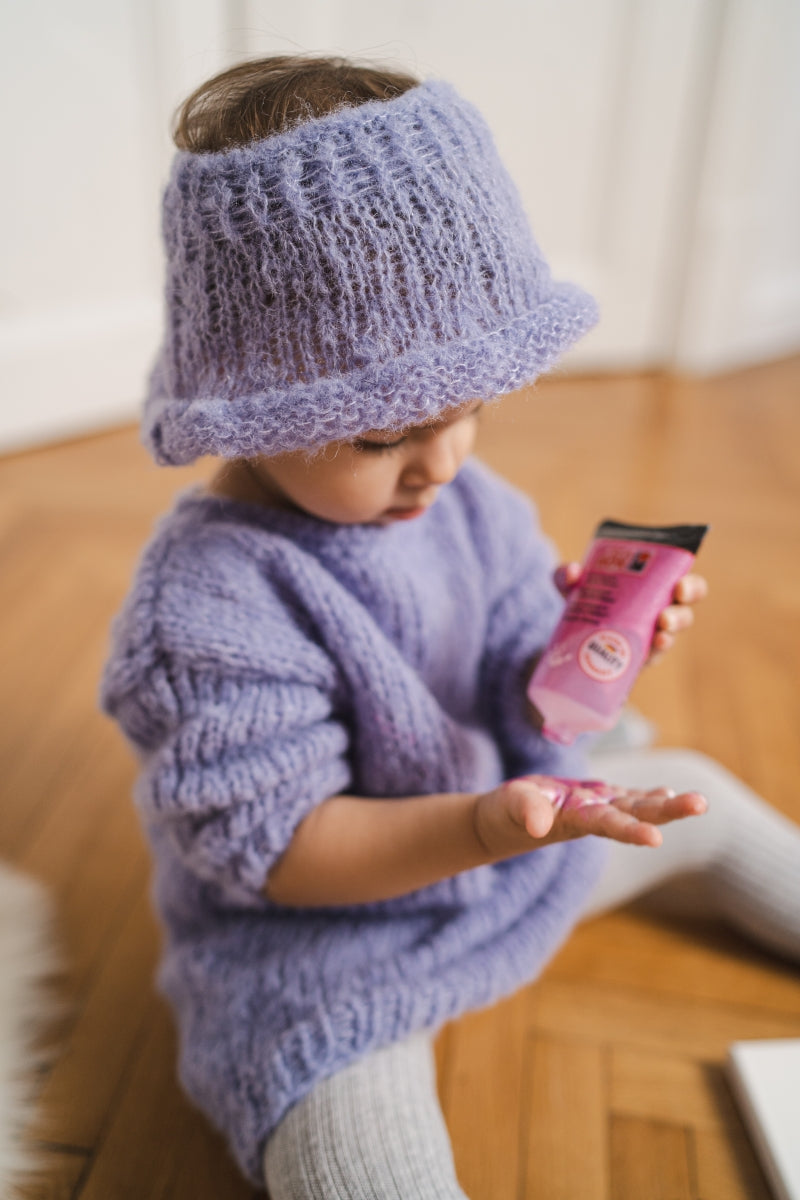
(67, 374)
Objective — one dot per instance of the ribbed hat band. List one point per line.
(365, 270)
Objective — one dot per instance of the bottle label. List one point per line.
(604, 655)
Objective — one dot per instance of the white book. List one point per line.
(765, 1079)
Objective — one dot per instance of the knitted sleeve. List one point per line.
(233, 756)
(524, 607)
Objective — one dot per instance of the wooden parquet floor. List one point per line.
(603, 1080)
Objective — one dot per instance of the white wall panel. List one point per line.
(80, 268)
(741, 300)
(87, 89)
(656, 146)
(595, 105)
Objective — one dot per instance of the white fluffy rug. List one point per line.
(27, 961)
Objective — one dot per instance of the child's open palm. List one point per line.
(536, 810)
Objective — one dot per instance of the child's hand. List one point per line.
(536, 810)
(671, 620)
(678, 615)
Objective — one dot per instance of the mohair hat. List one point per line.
(364, 270)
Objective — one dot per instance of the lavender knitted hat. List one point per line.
(365, 270)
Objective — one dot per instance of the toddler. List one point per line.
(358, 830)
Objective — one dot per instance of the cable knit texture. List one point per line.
(266, 660)
(364, 270)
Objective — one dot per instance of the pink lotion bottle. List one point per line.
(603, 638)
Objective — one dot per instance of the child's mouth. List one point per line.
(406, 514)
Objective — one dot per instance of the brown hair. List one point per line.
(255, 99)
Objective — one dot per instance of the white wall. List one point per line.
(87, 88)
(656, 143)
(594, 105)
(741, 287)
(79, 301)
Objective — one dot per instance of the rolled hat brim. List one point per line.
(412, 388)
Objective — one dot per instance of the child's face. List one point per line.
(377, 479)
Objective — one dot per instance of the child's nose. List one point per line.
(436, 460)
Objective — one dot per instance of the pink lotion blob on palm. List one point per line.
(603, 638)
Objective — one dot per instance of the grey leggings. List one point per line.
(375, 1130)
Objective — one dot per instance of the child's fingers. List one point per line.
(690, 589)
(610, 821)
(675, 618)
(566, 576)
(659, 808)
(529, 805)
(631, 816)
(661, 643)
(670, 622)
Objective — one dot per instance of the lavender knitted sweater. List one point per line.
(265, 660)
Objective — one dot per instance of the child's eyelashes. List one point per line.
(367, 447)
